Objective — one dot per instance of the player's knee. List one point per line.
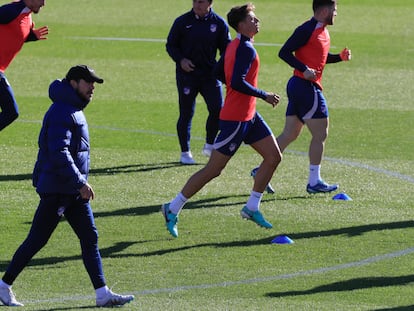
(276, 160)
(13, 116)
(273, 161)
(8, 118)
(320, 137)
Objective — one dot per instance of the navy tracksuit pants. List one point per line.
(79, 215)
(189, 86)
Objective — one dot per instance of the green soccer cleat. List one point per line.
(171, 219)
(256, 217)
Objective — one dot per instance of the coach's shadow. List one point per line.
(110, 251)
(349, 285)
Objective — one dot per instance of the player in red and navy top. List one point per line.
(307, 51)
(239, 122)
(16, 28)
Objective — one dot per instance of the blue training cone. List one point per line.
(342, 196)
(282, 239)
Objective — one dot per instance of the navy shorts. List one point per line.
(8, 105)
(306, 101)
(233, 133)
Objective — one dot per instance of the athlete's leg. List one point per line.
(269, 150)
(291, 131)
(319, 131)
(216, 163)
(9, 110)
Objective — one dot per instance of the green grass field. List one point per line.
(347, 255)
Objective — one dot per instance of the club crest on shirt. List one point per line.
(213, 27)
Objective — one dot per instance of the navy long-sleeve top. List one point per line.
(198, 39)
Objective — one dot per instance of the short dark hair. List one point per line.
(320, 3)
(238, 14)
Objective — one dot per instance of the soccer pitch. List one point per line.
(347, 255)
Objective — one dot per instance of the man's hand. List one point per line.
(272, 98)
(87, 192)
(310, 74)
(41, 33)
(187, 65)
(345, 54)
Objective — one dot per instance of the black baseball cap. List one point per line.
(83, 72)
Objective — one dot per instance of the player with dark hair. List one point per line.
(16, 28)
(307, 51)
(239, 122)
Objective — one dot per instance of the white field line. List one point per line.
(148, 40)
(353, 264)
(340, 161)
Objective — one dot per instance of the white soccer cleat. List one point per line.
(113, 300)
(7, 298)
(187, 158)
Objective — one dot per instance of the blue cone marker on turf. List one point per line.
(342, 196)
(282, 239)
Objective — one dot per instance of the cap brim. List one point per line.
(98, 80)
(94, 78)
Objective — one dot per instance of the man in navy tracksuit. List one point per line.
(193, 42)
(61, 180)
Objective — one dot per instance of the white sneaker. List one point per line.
(7, 298)
(207, 149)
(187, 158)
(113, 300)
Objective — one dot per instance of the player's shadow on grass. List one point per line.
(349, 285)
(243, 243)
(214, 202)
(91, 306)
(401, 308)
(133, 168)
(122, 169)
(119, 251)
(353, 231)
(16, 177)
